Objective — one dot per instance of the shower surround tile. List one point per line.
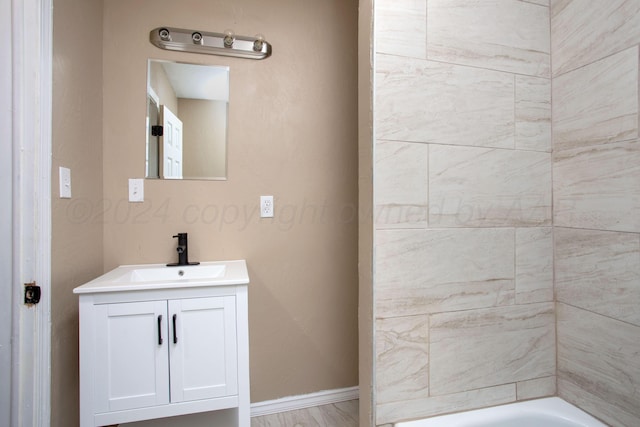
(597, 103)
(480, 187)
(430, 271)
(402, 358)
(533, 113)
(510, 344)
(534, 265)
(598, 187)
(490, 34)
(437, 405)
(434, 102)
(585, 31)
(536, 388)
(603, 408)
(601, 356)
(599, 271)
(400, 184)
(401, 27)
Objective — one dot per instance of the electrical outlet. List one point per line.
(266, 206)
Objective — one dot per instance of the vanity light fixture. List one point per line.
(225, 44)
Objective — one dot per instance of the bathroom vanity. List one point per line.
(158, 341)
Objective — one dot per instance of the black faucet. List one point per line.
(183, 251)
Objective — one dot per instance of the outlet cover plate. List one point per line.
(136, 190)
(65, 183)
(266, 206)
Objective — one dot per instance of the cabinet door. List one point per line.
(203, 350)
(132, 366)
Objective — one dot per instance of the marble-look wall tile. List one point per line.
(540, 2)
(400, 184)
(597, 103)
(536, 388)
(534, 265)
(401, 27)
(601, 356)
(429, 271)
(481, 348)
(599, 271)
(602, 408)
(585, 30)
(426, 101)
(402, 358)
(490, 34)
(480, 187)
(533, 113)
(598, 187)
(456, 402)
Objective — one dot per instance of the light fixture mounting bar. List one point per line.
(225, 44)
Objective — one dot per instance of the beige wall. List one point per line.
(77, 249)
(159, 82)
(463, 285)
(597, 205)
(292, 134)
(204, 137)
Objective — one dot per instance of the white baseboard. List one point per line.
(303, 401)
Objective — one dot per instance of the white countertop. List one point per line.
(159, 276)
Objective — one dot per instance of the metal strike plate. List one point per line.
(32, 293)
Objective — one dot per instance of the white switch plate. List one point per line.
(136, 190)
(65, 183)
(266, 206)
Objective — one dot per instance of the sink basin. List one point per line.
(188, 272)
(159, 276)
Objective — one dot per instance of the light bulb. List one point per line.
(229, 38)
(196, 37)
(164, 34)
(258, 43)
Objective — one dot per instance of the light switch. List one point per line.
(65, 183)
(136, 190)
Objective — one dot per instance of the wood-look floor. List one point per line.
(343, 414)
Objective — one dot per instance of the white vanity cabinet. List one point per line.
(152, 349)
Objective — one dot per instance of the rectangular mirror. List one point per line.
(187, 107)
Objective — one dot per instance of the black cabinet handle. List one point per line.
(160, 329)
(175, 334)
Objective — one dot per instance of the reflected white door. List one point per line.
(171, 144)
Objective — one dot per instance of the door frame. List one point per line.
(6, 212)
(30, 103)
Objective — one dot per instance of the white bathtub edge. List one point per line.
(551, 406)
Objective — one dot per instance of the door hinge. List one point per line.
(32, 293)
(157, 130)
